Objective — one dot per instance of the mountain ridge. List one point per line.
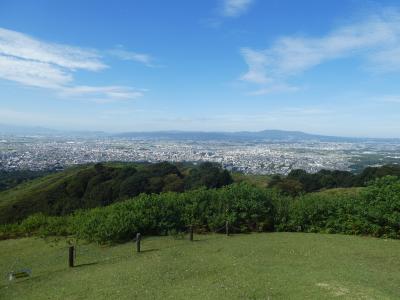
(266, 134)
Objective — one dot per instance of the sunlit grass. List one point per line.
(253, 266)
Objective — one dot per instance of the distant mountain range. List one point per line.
(264, 135)
(240, 135)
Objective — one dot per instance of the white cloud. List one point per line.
(257, 62)
(103, 93)
(274, 88)
(36, 63)
(33, 73)
(19, 45)
(234, 8)
(386, 60)
(145, 59)
(376, 40)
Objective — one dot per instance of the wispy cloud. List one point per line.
(35, 63)
(33, 73)
(387, 99)
(103, 93)
(376, 40)
(123, 54)
(235, 8)
(19, 45)
(274, 88)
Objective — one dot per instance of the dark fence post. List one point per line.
(71, 256)
(191, 233)
(138, 238)
(226, 222)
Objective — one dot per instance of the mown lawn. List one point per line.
(253, 266)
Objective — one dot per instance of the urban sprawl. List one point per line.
(40, 153)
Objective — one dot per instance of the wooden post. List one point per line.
(71, 251)
(191, 234)
(138, 238)
(226, 222)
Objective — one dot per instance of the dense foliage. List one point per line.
(299, 181)
(374, 210)
(10, 179)
(245, 207)
(103, 184)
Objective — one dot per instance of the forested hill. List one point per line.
(102, 184)
(10, 179)
(300, 182)
(90, 186)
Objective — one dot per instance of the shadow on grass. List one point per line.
(86, 264)
(196, 241)
(148, 250)
(43, 275)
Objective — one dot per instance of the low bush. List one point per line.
(373, 211)
(247, 208)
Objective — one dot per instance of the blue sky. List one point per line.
(328, 67)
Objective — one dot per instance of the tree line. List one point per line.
(373, 210)
(10, 179)
(299, 181)
(104, 184)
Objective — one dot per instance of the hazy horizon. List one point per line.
(10, 129)
(328, 68)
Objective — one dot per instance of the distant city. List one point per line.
(270, 153)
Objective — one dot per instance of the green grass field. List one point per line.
(352, 191)
(253, 266)
(257, 180)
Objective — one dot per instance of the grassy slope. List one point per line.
(253, 179)
(24, 192)
(43, 184)
(352, 191)
(254, 266)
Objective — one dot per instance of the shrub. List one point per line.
(374, 211)
(247, 208)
